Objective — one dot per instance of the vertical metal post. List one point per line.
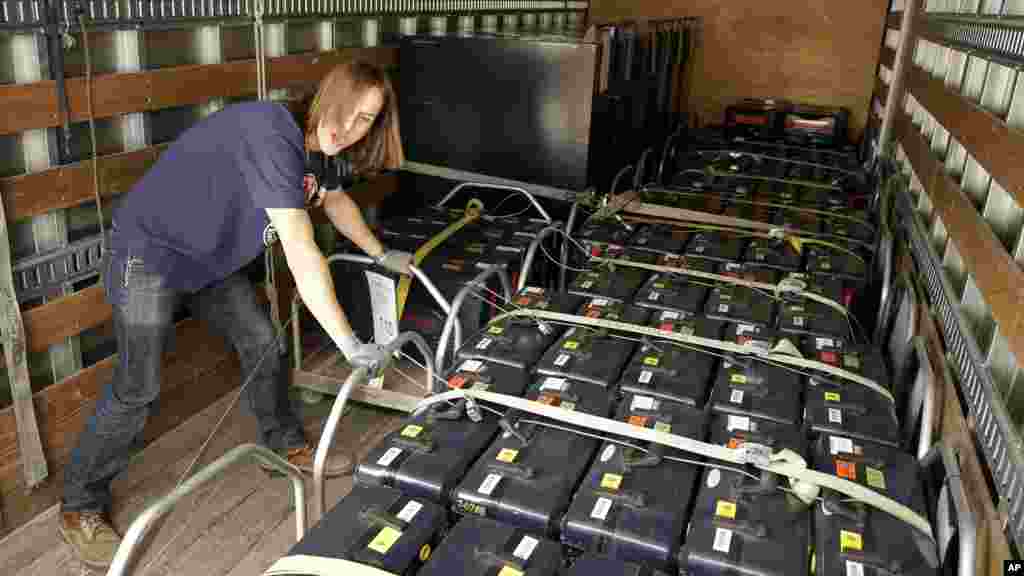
(49, 231)
(904, 54)
(208, 51)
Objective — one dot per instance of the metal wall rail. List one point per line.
(1000, 442)
(45, 275)
(995, 38)
(28, 14)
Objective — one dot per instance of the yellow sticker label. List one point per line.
(495, 329)
(875, 478)
(509, 571)
(507, 455)
(611, 481)
(659, 284)
(571, 345)
(831, 397)
(662, 427)
(412, 431)
(425, 553)
(570, 406)
(726, 509)
(738, 378)
(651, 360)
(850, 541)
(384, 540)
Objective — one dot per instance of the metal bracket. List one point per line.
(44, 275)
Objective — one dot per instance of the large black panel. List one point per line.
(508, 107)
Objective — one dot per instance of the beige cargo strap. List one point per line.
(783, 353)
(790, 284)
(805, 483)
(304, 565)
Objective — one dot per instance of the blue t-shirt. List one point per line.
(199, 214)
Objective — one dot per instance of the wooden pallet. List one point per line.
(324, 371)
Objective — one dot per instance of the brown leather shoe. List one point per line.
(91, 536)
(302, 458)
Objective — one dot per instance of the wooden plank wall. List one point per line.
(200, 369)
(815, 51)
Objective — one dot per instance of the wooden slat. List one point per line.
(64, 317)
(1000, 279)
(71, 185)
(997, 147)
(177, 86)
(30, 106)
(308, 69)
(887, 58)
(112, 94)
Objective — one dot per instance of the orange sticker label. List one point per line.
(640, 421)
(593, 314)
(735, 443)
(457, 381)
(846, 469)
(523, 301)
(547, 399)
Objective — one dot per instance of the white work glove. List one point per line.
(396, 261)
(362, 354)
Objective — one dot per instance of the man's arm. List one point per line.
(346, 216)
(309, 267)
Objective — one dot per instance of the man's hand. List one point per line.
(396, 261)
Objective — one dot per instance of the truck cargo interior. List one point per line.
(694, 288)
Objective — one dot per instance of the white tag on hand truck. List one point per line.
(384, 308)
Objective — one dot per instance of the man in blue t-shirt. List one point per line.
(221, 194)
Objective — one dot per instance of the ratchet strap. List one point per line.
(697, 193)
(805, 483)
(305, 565)
(473, 211)
(788, 285)
(783, 353)
(797, 182)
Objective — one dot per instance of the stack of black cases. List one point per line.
(525, 494)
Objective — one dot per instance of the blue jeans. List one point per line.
(143, 321)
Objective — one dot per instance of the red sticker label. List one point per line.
(666, 327)
(457, 381)
(830, 358)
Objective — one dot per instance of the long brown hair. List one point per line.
(335, 100)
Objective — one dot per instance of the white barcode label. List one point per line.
(389, 456)
(840, 445)
(642, 403)
(645, 377)
(601, 508)
(599, 302)
(489, 484)
(742, 329)
(798, 321)
(736, 397)
(669, 315)
(738, 423)
(552, 383)
(525, 548)
(723, 308)
(586, 285)
(723, 540)
(409, 511)
(483, 344)
(835, 416)
(561, 360)
(513, 249)
(826, 343)
(471, 366)
(854, 568)
(534, 290)
(654, 296)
